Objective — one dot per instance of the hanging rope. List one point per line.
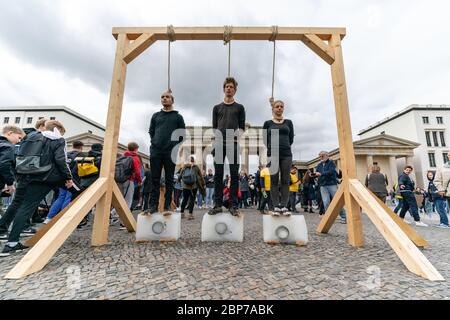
(273, 38)
(171, 36)
(227, 40)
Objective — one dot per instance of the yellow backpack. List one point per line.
(86, 166)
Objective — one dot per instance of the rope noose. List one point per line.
(227, 40)
(171, 36)
(273, 38)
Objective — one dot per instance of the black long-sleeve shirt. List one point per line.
(162, 125)
(286, 137)
(7, 162)
(228, 116)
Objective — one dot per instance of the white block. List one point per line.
(222, 227)
(155, 227)
(290, 229)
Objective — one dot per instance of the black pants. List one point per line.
(292, 200)
(177, 193)
(31, 195)
(409, 203)
(188, 195)
(227, 151)
(265, 201)
(145, 200)
(157, 163)
(280, 189)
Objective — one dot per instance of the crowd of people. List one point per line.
(35, 162)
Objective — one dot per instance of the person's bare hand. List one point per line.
(69, 184)
(10, 189)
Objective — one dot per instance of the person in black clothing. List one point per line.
(407, 187)
(11, 135)
(278, 140)
(96, 153)
(228, 123)
(35, 186)
(163, 149)
(209, 180)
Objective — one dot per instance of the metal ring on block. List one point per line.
(282, 232)
(221, 228)
(158, 227)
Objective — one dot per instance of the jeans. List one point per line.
(145, 200)
(188, 195)
(157, 163)
(292, 200)
(127, 190)
(199, 199)
(399, 205)
(267, 200)
(60, 203)
(234, 173)
(17, 201)
(327, 193)
(440, 207)
(409, 203)
(244, 199)
(209, 196)
(279, 187)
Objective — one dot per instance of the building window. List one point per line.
(425, 120)
(444, 157)
(52, 118)
(441, 135)
(40, 118)
(427, 136)
(17, 120)
(6, 120)
(29, 120)
(439, 120)
(432, 160)
(435, 139)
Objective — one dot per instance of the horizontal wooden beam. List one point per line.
(138, 46)
(43, 251)
(319, 47)
(237, 33)
(408, 253)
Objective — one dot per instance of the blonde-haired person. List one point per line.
(377, 182)
(442, 181)
(33, 186)
(280, 154)
(11, 135)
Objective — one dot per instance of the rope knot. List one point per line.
(227, 34)
(171, 33)
(274, 34)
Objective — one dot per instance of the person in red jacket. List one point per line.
(127, 188)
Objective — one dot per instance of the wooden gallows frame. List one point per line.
(326, 43)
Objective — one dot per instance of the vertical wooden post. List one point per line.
(101, 221)
(348, 163)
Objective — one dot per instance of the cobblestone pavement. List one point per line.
(327, 268)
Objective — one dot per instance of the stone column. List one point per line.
(199, 156)
(393, 171)
(369, 162)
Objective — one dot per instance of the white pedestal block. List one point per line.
(156, 227)
(222, 227)
(283, 229)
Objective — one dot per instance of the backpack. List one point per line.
(86, 166)
(189, 176)
(124, 169)
(31, 157)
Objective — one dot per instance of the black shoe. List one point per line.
(152, 210)
(215, 210)
(234, 211)
(311, 210)
(7, 250)
(37, 220)
(28, 232)
(83, 223)
(262, 212)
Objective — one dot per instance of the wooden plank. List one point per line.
(101, 219)
(319, 47)
(408, 230)
(346, 151)
(332, 212)
(138, 46)
(238, 33)
(43, 230)
(122, 209)
(43, 251)
(405, 249)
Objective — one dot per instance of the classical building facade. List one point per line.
(426, 125)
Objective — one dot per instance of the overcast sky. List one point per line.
(396, 53)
